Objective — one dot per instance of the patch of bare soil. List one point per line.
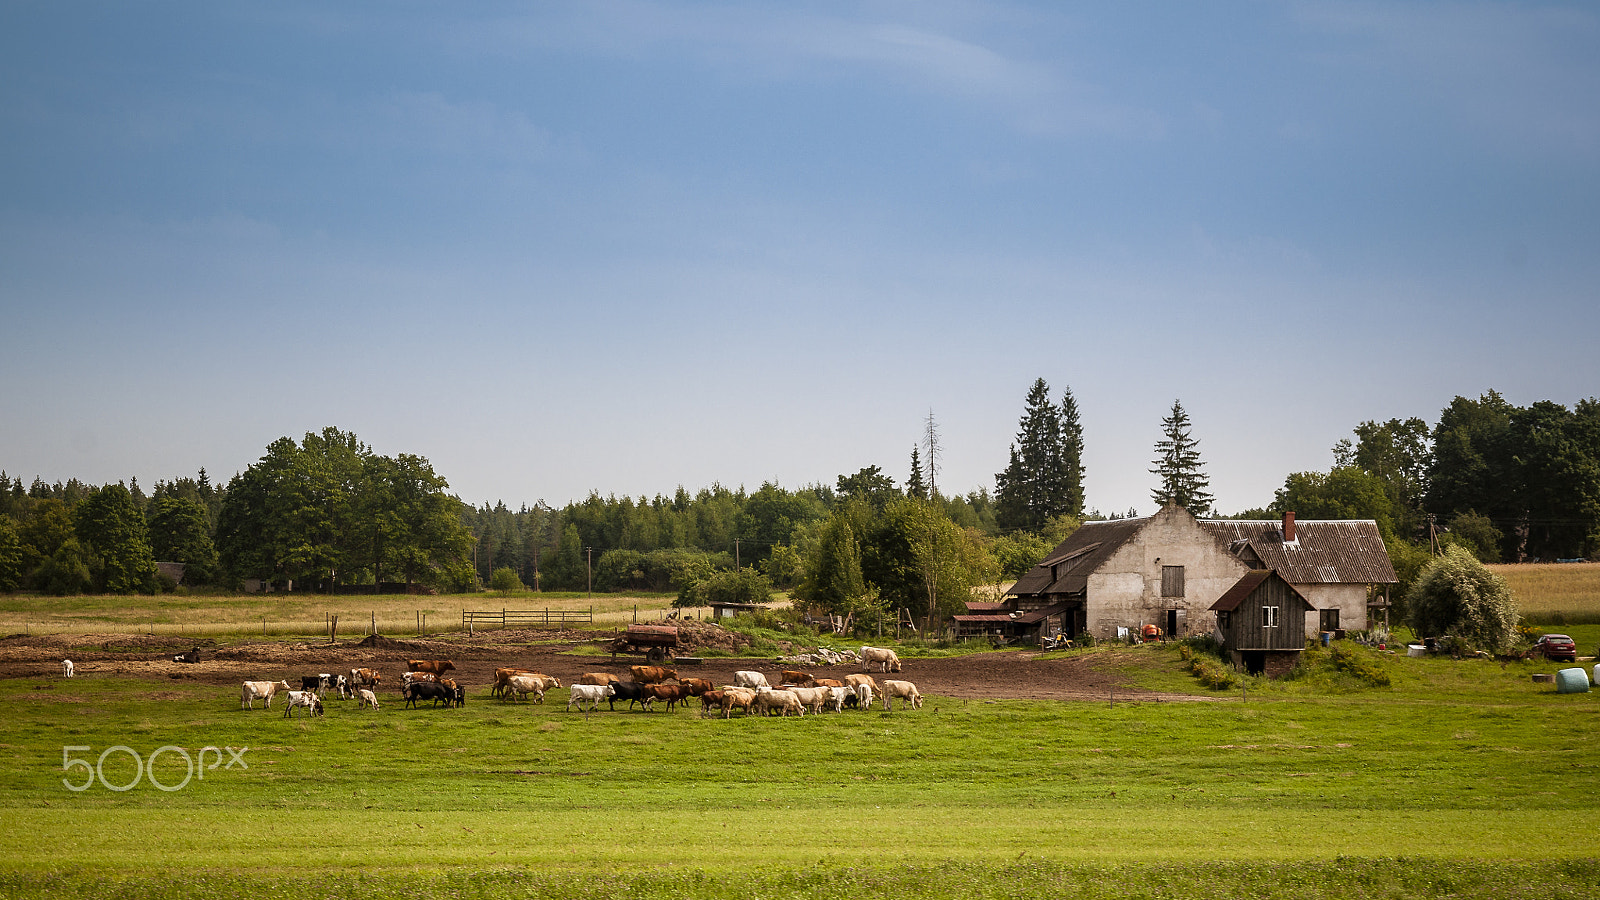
(1009, 674)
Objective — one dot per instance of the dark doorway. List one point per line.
(1255, 661)
(1172, 623)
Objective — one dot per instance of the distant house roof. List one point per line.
(1245, 586)
(985, 606)
(173, 570)
(1323, 552)
(1066, 570)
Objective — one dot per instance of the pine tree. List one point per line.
(914, 485)
(1044, 477)
(1183, 481)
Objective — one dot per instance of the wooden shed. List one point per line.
(1263, 624)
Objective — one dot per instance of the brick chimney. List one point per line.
(1288, 527)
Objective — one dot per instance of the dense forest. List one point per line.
(329, 514)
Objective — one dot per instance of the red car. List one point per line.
(1555, 646)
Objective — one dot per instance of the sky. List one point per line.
(627, 246)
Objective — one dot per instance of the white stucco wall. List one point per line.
(1126, 590)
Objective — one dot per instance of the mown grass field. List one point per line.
(1463, 778)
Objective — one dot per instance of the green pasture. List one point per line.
(1462, 778)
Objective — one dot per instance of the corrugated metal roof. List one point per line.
(985, 619)
(1324, 552)
(985, 606)
(1072, 561)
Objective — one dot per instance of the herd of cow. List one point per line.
(751, 693)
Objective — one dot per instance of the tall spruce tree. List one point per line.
(1183, 479)
(1044, 477)
(915, 486)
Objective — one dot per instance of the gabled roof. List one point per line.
(1244, 587)
(1323, 552)
(1066, 569)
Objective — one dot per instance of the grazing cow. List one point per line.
(879, 656)
(631, 691)
(696, 687)
(367, 698)
(751, 680)
(598, 678)
(313, 683)
(66, 668)
(710, 700)
(262, 690)
(365, 677)
(307, 699)
(591, 694)
(783, 701)
(812, 697)
(736, 698)
(672, 693)
(827, 682)
(418, 691)
(796, 678)
(436, 666)
(652, 674)
(905, 690)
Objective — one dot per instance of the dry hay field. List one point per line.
(1555, 593)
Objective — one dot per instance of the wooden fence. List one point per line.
(471, 619)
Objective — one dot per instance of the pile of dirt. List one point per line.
(698, 637)
(379, 642)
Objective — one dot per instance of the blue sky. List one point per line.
(625, 246)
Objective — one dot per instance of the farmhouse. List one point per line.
(1115, 577)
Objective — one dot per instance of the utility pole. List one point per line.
(589, 566)
(736, 553)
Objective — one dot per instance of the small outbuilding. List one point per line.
(1262, 622)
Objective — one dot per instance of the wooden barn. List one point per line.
(1263, 624)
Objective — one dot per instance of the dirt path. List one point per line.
(1013, 674)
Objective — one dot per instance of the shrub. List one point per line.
(505, 579)
(1455, 595)
(1352, 659)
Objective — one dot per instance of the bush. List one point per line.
(1456, 596)
(1349, 657)
(743, 585)
(505, 579)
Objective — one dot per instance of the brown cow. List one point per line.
(652, 674)
(710, 700)
(696, 687)
(598, 678)
(436, 666)
(502, 677)
(364, 677)
(672, 693)
(796, 678)
(826, 682)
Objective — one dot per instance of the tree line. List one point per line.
(327, 513)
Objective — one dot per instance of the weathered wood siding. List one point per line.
(1247, 625)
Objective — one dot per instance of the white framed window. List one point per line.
(1269, 617)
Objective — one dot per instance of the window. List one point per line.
(1269, 617)
(1330, 620)
(1172, 581)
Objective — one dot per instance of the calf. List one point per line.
(736, 698)
(66, 668)
(262, 690)
(307, 699)
(839, 696)
(366, 698)
(905, 690)
(652, 674)
(591, 694)
(598, 678)
(710, 700)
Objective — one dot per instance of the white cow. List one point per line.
(785, 701)
(307, 699)
(812, 698)
(589, 693)
(523, 685)
(262, 690)
(367, 698)
(750, 680)
(837, 695)
(905, 690)
(880, 656)
(66, 668)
